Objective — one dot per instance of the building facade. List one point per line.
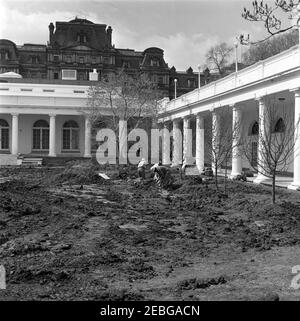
(77, 47)
(49, 117)
(247, 95)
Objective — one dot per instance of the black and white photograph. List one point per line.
(149, 152)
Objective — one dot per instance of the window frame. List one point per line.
(71, 130)
(41, 130)
(4, 128)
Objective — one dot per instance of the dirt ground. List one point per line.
(67, 234)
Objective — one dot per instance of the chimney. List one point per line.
(51, 31)
(109, 32)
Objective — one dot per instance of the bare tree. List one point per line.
(271, 15)
(275, 140)
(270, 47)
(223, 137)
(122, 97)
(218, 56)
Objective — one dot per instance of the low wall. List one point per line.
(6, 160)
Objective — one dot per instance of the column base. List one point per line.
(175, 164)
(260, 179)
(52, 155)
(87, 155)
(234, 175)
(200, 168)
(294, 186)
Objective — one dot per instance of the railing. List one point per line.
(38, 90)
(272, 66)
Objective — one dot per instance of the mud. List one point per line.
(67, 234)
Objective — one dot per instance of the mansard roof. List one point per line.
(79, 20)
(130, 52)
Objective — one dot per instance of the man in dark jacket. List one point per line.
(162, 175)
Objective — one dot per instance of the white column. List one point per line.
(296, 180)
(87, 138)
(187, 141)
(52, 135)
(15, 134)
(262, 135)
(177, 143)
(298, 25)
(200, 142)
(215, 128)
(237, 165)
(166, 145)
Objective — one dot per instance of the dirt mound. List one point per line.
(18, 185)
(195, 283)
(79, 173)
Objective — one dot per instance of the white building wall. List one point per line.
(26, 132)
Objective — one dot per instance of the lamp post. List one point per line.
(175, 84)
(199, 70)
(236, 55)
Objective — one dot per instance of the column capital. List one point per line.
(176, 120)
(237, 108)
(52, 115)
(296, 91)
(260, 98)
(15, 114)
(199, 115)
(186, 117)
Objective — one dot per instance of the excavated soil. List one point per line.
(68, 234)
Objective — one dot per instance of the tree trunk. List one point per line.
(216, 175)
(273, 187)
(225, 178)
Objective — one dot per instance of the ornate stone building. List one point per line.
(77, 47)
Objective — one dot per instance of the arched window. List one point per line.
(4, 135)
(81, 37)
(279, 126)
(71, 136)
(254, 129)
(40, 136)
(4, 55)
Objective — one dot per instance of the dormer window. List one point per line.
(81, 37)
(34, 60)
(191, 83)
(154, 63)
(126, 64)
(4, 55)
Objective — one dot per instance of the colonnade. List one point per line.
(237, 158)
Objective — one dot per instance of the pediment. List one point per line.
(80, 47)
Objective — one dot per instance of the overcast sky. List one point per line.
(184, 29)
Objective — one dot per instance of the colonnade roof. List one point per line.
(277, 73)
